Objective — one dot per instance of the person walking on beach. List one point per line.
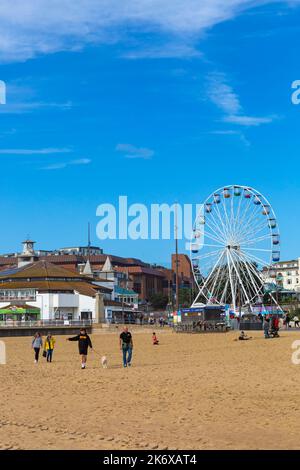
(266, 328)
(49, 346)
(84, 342)
(126, 345)
(287, 321)
(37, 343)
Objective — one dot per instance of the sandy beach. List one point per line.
(202, 391)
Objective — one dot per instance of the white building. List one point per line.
(80, 250)
(42, 290)
(123, 302)
(286, 274)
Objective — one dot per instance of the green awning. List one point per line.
(22, 310)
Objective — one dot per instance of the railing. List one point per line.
(44, 323)
(135, 321)
(206, 327)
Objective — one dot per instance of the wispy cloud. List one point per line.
(61, 165)
(130, 151)
(26, 107)
(220, 93)
(171, 51)
(236, 133)
(21, 98)
(250, 120)
(26, 31)
(43, 151)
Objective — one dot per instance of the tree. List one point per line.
(159, 301)
(225, 278)
(185, 297)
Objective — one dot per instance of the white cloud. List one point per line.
(29, 28)
(61, 165)
(21, 98)
(171, 51)
(249, 120)
(224, 97)
(44, 151)
(226, 132)
(26, 107)
(80, 161)
(230, 132)
(130, 151)
(55, 166)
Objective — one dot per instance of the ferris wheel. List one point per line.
(235, 238)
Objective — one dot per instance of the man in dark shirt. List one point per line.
(84, 342)
(126, 345)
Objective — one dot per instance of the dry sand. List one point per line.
(202, 391)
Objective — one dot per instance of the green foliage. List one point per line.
(159, 301)
(186, 297)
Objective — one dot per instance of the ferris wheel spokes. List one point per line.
(251, 225)
(218, 236)
(225, 229)
(252, 276)
(209, 276)
(238, 241)
(239, 278)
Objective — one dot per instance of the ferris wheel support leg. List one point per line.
(201, 291)
(276, 303)
(239, 278)
(231, 284)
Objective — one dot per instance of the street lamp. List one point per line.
(279, 278)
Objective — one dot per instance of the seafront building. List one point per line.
(80, 283)
(285, 275)
(42, 290)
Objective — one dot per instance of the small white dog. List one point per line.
(104, 362)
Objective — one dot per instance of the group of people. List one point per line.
(37, 345)
(271, 327)
(288, 318)
(84, 344)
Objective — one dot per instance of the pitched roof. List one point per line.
(107, 267)
(140, 270)
(122, 291)
(87, 269)
(40, 269)
(24, 306)
(83, 288)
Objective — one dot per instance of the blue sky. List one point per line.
(196, 93)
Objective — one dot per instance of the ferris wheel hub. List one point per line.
(233, 247)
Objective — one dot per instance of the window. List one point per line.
(137, 287)
(17, 294)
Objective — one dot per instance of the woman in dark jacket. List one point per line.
(84, 342)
